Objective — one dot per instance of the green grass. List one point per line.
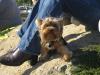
(4, 30)
(91, 71)
(88, 63)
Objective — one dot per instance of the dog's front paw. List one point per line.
(67, 57)
(42, 58)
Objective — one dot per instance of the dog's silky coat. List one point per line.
(50, 30)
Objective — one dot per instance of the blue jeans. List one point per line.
(87, 11)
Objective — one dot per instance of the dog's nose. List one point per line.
(50, 44)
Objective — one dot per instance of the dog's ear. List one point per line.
(59, 20)
(38, 22)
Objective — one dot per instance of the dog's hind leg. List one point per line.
(64, 51)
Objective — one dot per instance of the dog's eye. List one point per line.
(55, 25)
(48, 25)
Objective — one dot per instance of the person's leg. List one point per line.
(16, 57)
(86, 11)
(29, 19)
(30, 43)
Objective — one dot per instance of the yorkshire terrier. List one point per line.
(50, 30)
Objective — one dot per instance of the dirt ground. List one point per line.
(76, 36)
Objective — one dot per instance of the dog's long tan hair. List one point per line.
(49, 23)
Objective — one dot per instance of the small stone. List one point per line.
(62, 68)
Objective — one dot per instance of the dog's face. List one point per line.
(50, 29)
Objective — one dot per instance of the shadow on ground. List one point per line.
(87, 49)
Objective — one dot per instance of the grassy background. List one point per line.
(88, 61)
(4, 30)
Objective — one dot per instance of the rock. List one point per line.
(62, 68)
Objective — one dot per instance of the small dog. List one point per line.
(50, 30)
